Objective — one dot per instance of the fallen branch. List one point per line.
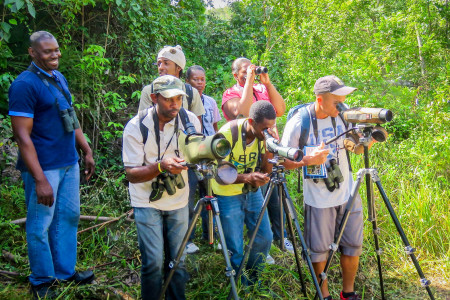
(11, 257)
(121, 294)
(107, 222)
(82, 218)
(18, 221)
(9, 273)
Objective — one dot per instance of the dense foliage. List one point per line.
(395, 51)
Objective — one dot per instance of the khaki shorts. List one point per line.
(322, 227)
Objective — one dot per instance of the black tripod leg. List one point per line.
(283, 199)
(174, 263)
(280, 195)
(292, 214)
(335, 245)
(375, 230)
(248, 247)
(229, 272)
(409, 250)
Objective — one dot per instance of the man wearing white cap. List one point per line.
(161, 219)
(171, 61)
(324, 204)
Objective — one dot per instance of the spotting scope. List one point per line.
(364, 114)
(274, 146)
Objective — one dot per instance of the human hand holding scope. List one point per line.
(287, 152)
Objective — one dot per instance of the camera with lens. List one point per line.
(166, 182)
(260, 70)
(69, 119)
(334, 176)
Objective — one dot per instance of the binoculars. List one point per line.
(334, 176)
(166, 182)
(69, 119)
(260, 70)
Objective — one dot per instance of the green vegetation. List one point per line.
(395, 52)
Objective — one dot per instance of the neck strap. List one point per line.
(49, 80)
(158, 138)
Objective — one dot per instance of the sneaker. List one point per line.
(288, 245)
(270, 260)
(219, 246)
(43, 291)
(355, 296)
(191, 248)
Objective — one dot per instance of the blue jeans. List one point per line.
(52, 231)
(234, 212)
(273, 208)
(160, 234)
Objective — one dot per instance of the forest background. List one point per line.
(396, 52)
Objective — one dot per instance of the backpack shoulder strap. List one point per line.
(184, 117)
(305, 120)
(190, 95)
(234, 133)
(142, 127)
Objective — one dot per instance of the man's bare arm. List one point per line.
(146, 173)
(275, 97)
(22, 127)
(89, 163)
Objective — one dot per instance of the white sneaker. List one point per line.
(191, 248)
(288, 245)
(219, 246)
(270, 260)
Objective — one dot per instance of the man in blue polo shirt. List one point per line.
(47, 133)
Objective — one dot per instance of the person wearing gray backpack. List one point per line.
(324, 203)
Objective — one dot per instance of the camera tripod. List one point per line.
(372, 175)
(277, 179)
(210, 202)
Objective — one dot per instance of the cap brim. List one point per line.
(172, 93)
(343, 91)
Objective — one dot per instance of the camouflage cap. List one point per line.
(332, 84)
(175, 54)
(168, 86)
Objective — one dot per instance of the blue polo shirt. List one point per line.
(29, 97)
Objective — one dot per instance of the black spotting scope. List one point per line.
(273, 146)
